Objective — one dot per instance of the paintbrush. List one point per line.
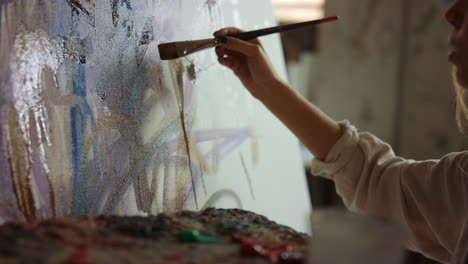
(174, 50)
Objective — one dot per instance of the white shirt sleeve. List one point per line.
(429, 197)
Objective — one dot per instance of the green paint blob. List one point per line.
(191, 235)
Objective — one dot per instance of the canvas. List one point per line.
(93, 122)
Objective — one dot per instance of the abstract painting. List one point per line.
(93, 122)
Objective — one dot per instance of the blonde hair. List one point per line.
(461, 103)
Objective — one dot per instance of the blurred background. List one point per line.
(382, 66)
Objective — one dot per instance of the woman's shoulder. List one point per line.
(455, 159)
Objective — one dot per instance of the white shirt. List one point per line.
(429, 197)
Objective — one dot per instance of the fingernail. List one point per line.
(223, 39)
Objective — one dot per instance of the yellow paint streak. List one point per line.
(177, 78)
(202, 163)
(20, 166)
(153, 210)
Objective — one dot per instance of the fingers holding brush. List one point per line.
(233, 50)
(225, 32)
(241, 46)
(248, 61)
(223, 58)
(228, 58)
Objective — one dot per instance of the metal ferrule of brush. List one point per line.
(188, 47)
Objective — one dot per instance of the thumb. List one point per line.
(241, 46)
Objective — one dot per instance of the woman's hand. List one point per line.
(248, 61)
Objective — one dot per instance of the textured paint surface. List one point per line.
(91, 121)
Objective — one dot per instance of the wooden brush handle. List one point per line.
(266, 31)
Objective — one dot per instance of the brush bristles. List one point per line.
(168, 51)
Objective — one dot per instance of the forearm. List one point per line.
(317, 131)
